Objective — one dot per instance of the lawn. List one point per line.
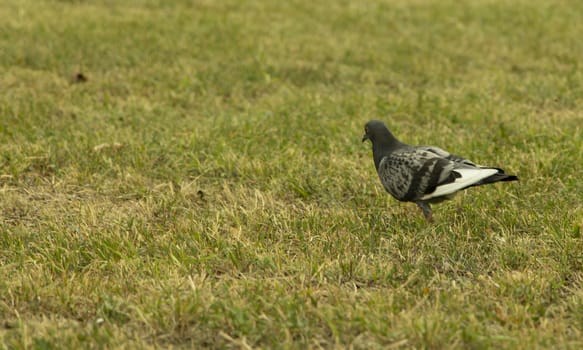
(189, 174)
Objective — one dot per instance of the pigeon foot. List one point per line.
(426, 208)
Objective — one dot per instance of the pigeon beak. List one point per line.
(365, 137)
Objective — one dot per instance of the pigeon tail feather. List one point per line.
(468, 177)
(500, 176)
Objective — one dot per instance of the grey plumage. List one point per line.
(424, 174)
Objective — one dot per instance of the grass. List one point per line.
(206, 187)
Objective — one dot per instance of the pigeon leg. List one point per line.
(426, 210)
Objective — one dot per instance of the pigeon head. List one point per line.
(383, 142)
(377, 132)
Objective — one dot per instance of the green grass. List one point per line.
(206, 187)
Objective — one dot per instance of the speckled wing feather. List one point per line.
(459, 161)
(410, 174)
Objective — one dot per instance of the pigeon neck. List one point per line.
(384, 147)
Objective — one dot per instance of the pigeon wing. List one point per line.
(466, 172)
(411, 174)
(459, 161)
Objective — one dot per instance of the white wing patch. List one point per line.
(469, 176)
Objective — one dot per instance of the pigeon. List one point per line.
(424, 174)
